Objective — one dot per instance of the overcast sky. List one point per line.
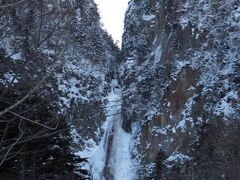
(112, 15)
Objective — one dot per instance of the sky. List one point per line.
(112, 16)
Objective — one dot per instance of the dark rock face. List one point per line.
(179, 78)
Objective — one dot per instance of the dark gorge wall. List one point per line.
(181, 88)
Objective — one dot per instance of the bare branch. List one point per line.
(13, 144)
(12, 4)
(4, 133)
(36, 137)
(35, 122)
(34, 88)
(25, 97)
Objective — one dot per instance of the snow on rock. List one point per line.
(10, 77)
(148, 17)
(225, 104)
(176, 157)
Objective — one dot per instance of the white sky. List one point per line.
(112, 15)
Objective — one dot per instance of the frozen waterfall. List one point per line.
(112, 159)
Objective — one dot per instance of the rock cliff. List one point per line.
(181, 87)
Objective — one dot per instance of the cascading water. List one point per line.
(112, 159)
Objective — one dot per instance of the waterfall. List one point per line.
(112, 159)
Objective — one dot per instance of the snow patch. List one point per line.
(148, 17)
(225, 104)
(176, 157)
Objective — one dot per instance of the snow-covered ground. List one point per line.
(112, 156)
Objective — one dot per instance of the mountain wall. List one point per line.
(180, 79)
